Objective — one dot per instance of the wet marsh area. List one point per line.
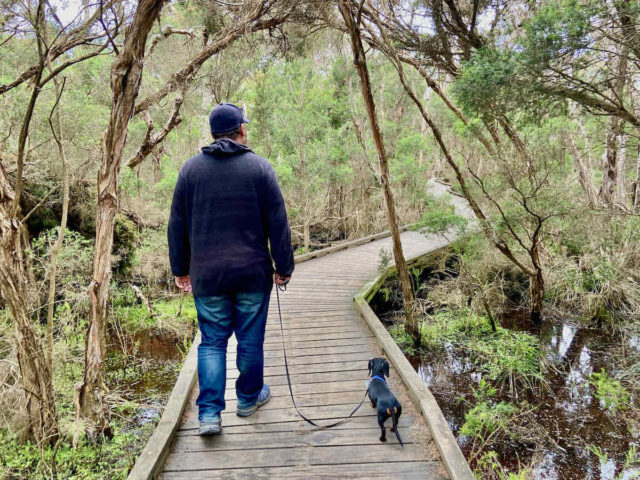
(144, 357)
(571, 416)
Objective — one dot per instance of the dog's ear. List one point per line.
(370, 366)
(385, 368)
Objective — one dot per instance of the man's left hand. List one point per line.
(281, 279)
(184, 283)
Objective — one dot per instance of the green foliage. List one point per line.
(497, 77)
(558, 29)
(440, 218)
(632, 457)
(610, 392)
(402, 338)
(384, 260)
(486, 418)
(503, 356)
(486, 79)
(112, 460)
(125, 242)
(484, 391)
(134, 317)
(598, 452)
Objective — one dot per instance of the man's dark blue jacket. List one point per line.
(227, 208)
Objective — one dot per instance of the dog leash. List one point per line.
(283, 288)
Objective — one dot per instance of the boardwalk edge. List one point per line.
(452, 456)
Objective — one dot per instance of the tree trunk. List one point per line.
(621, 190)
(55, 251)
(306, 231)
(585, 174)
(35, 375)
(635, 190)
(609, 163)
(126, 76)
(360, 62)
(536, 281)
(614, 132)
(536, 287)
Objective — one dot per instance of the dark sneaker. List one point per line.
(210, 427)
(263, 397)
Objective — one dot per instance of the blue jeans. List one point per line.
(244, 314)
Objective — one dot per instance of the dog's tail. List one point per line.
(394, 419)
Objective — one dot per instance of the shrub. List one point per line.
(503, 355)
(125, 242)
(609, 391)
(486, 419)
(402, 338)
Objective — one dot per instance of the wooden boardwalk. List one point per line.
(328, 346)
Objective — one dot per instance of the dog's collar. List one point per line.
(379, 378)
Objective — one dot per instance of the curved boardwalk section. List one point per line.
(328, 346)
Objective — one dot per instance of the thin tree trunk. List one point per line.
(609, 163)
(26, 122)
(614, 131)
(306, 236)
(35, 375)
(126, 76)
(55, 251)
(583, 162)
(635, 189)
(56, 130)
(536, 287)
(585, 174)
(411, 324)
(621, 190)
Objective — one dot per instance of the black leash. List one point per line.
(286, 367)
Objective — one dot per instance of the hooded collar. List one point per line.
(225, 147)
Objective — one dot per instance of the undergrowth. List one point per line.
(139, 382)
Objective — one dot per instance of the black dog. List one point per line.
(381, 397)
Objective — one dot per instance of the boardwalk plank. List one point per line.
(363, 436)
(278, 457)
(391, 469)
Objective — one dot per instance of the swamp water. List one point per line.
(571, 419)
(148, 378)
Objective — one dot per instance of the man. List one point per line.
(227, 210)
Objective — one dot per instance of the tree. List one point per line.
(518, 231)
(352, 22)
(15, 281)
(35, 374)
(126, 76)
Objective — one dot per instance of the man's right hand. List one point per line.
(281, 280)
(184, 283)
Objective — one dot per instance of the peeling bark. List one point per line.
(35, 375)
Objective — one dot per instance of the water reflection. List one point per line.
(567, 410)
